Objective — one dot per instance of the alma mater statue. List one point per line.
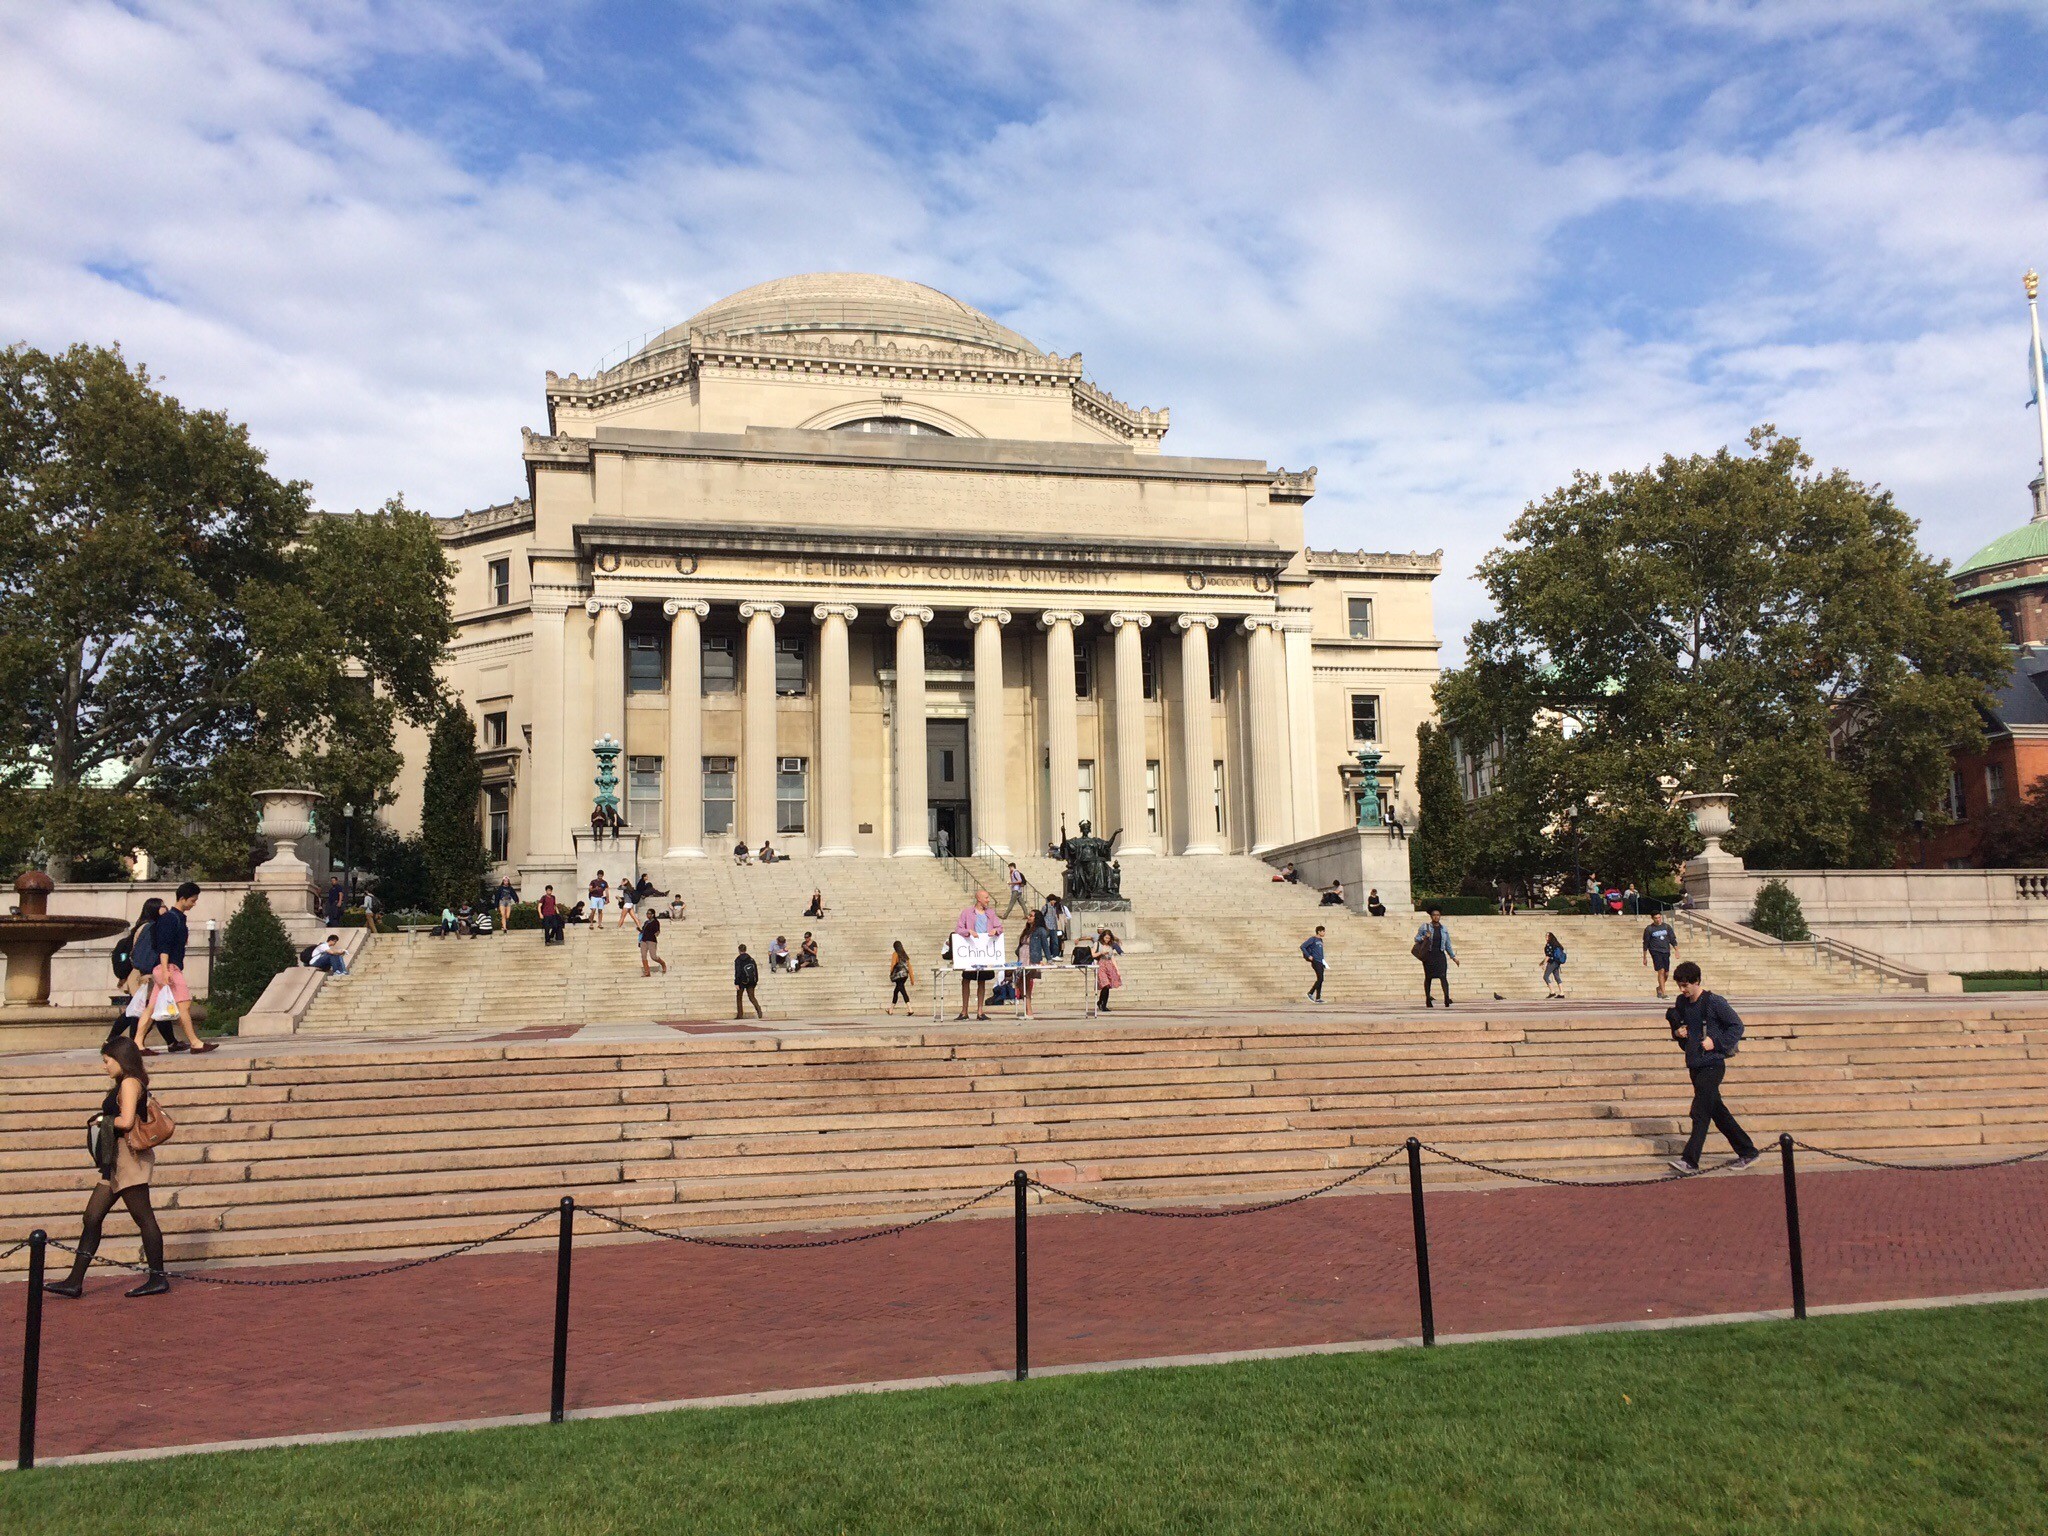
(1091, 874)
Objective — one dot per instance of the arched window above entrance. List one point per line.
(902, 425)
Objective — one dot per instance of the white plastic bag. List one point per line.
(165, 1007)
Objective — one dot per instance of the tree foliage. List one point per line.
(2014, 832)
(1728, 621)
(1776, 911)
(253, 949)
(179, 628)
(451, 833)
(1437, 855)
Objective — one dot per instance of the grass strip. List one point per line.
(1932, 1421)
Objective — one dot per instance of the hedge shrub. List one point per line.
(254, 948)
(1777, 912)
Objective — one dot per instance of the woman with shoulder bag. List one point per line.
(130, 1126)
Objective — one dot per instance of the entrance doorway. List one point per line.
(951, 810)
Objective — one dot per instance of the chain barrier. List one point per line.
(1671, 1177)
(628, 1225)
(1876, 1162)
(11, 1252)
(1234, 1210)
(203, 1278)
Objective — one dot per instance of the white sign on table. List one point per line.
(978, 952)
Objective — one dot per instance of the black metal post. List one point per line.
(1020, 1184)
(31, 1351)
(1792, 1227)
(1421, 1240)
(559, 1388)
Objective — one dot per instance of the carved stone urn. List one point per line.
(1715, 879)
(285, 816)
(1711, 817)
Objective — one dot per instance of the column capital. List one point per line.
(824, 611)
(901, 612)
(1119, 620)
(1189, 621)
(1252, 623)
(622, 606)
(749, 608)
(1053, 616)
(986, 615)
(675, 605)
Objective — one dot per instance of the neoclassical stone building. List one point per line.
(844, 563)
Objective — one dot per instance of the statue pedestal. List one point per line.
(1111, 912)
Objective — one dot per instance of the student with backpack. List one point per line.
(1312, 952)
(133, 959)
(1710, 1031)
(1553, 966)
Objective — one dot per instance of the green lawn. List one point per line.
(2005, 981)
(1895, 1422)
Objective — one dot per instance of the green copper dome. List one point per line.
(2029, 541)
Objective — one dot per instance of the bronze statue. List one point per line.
(1092, 873)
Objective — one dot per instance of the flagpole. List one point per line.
(2033, 283)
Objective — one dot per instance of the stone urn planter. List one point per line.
(285, 816)
(1716, 879)
(1712, 815)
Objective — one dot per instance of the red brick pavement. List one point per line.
(661, 1320)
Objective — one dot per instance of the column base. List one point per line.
(919, 852)
(1137, 851)
(1197, 850)
(684, 853)
(836, 853)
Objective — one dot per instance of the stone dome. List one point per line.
(844, 305)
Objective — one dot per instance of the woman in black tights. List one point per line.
(126, 1180)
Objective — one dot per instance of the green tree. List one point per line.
(1729, 620)
(1776, 911)
(2014, 832)
(178, 627)
(451, 833)
(254, 948)
(1437, 858)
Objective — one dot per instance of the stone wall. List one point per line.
(1936, 919)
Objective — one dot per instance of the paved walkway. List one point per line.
(656, 1321)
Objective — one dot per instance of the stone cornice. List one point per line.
(1326, 562)
(485, 522)
(735, 538)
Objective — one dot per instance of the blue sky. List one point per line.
(1448, 253)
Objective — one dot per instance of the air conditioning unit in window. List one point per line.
(789, 765)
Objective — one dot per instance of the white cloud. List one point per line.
(1345, 250)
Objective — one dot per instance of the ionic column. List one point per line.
(757, 725)
(834, 768)
(1197, 735)
(913, 801)
(1129, 630)
(1301, 732)
(685, 726)
(991, 768)
(1268, 686)
(608, 650)
(1062, 723)
(547, 817)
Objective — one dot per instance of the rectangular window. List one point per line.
(643, 663)
(1148, 659)
(643, 794)
(1358, 615)
(1087, 795)
(501, 582)
(721, 665)
(791, 681)
(498, 818)
(1084, 666)
(1994, 783)
(1215, 670)
(792, 793)
(1953, 803)
(717, 796)
(1219, 797)
(1152, 796)
(1365, 717)
(494, 729)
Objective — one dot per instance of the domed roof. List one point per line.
(2029, 541)
(859, 303)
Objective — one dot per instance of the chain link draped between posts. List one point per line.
(1671, 1177)
(1235, 1210)
(1891, 1167)
(625, 1224)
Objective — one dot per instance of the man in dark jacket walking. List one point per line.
(745, 977)
(1710, 1031)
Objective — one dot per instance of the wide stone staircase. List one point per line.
(1207, 934)
(348, 1146)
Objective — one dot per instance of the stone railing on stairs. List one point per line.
(1706, 930)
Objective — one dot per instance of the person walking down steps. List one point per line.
(900, 977)
(1553, 967)
(1312, 952)
(650, 942)
(745, 977)
(124, 1120)
(1433, 949)
(1710, 1031)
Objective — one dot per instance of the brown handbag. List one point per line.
(1419, 949)
(152, 1128)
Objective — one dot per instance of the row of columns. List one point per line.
(833, 768)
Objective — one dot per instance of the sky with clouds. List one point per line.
(1448, 253)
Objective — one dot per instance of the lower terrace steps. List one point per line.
(324, 1148)
(1212, 933)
